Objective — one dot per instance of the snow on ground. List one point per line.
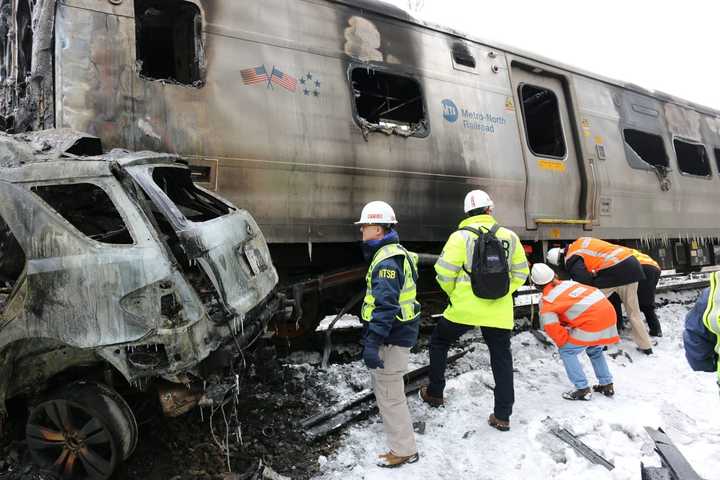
(656, 391)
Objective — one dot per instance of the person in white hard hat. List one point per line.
(391, 316)
(579, 319)
(467, 311)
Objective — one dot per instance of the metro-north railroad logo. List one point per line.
(450, 110)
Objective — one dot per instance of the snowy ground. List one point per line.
(656, 391)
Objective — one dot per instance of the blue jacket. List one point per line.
(698, 340)
(384, 327)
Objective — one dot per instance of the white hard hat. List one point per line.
(553, 256)
(477, 199)
(541, 274)
(377, 212)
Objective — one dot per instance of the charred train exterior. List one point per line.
(303, 110)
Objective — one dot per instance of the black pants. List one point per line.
(498, 342)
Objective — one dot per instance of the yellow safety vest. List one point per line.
(711, 316)
(456, 259)
(409, 306)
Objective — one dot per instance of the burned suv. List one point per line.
(114, 266)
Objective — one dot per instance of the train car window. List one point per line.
(12, 261)
(168, 43)
(462, 56)
(649, 147)
(388, 103)
(89, 209)
(692, 158)
(542, 121)
(717, 158)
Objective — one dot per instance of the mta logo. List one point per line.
(450, 110)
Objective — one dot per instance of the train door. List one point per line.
(554, 182)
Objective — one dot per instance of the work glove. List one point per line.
(371, 356)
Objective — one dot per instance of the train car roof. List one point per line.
(384, 9)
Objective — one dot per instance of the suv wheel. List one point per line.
(81, 432)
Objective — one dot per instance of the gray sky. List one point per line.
(667, 45)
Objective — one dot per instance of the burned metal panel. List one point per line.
(75, 285)
(26, 73)
(94, 61)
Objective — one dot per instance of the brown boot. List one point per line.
(429, 399)
(579, 394)
(608, 390)
(502, 425)
(390, 460)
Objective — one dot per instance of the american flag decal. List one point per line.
(252, 76)
(288, 82)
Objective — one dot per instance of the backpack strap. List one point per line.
(473, 230)
(410, 261)
(492, 230)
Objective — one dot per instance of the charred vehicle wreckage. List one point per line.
(116, 269)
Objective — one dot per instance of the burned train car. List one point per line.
(303, 110)
(116, 268)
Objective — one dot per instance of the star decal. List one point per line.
(311, 85)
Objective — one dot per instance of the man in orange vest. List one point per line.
(611, 268)
(579, 319)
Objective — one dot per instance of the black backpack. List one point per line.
(490, 275)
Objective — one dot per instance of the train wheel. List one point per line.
(79, 433)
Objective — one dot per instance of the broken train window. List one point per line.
(388, 103)
(692, 158)
(195, 204)
(169, 40)
(542, 121)
(89, 209)
(12, 262)
(649, 147)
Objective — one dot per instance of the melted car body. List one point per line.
(119, 259)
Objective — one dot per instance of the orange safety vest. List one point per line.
(597, 254)
(644, 259)
(577, 313)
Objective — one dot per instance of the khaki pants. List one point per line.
(390, 394)
(628, 295)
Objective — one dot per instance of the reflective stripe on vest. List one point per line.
(645, 259)
(580, 307)
(408, 292)
(711, 316)
(598, 254)
(589, 337)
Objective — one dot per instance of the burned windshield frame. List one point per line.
(193, 203)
